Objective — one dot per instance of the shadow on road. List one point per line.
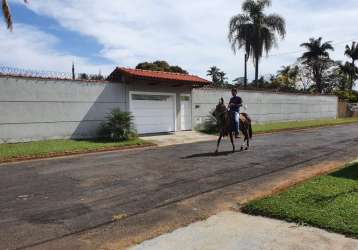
(350, 173)
(225, 153)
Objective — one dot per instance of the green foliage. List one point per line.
(161, 66)
(255, 31)
(98, 77)
(286, 79)
(83, 76)
(118, 126)
(218, 77)
(349, 96)
(50, 147)
(317, 59)
(352, 52)
(209, 126)
(329, 202)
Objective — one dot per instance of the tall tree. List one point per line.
(7, 13)
(240, 32)
(343, 74)
(161, 66)
(352, 52)
(214, 73)
(287, 76)
(222, 78)
(317, 58)
(256, 31)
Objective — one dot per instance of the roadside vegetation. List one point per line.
(116, 132)
(210, 127)
(40, 149)
(329, 202)
(280, 126)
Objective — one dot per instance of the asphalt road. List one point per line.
(42, 201)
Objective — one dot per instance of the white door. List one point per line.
(185, 111)
(153, 112)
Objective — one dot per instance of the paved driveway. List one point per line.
(46, 200)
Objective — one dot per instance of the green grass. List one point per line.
(279, 126)
(282, 126)
(50, 147)
(329, 202)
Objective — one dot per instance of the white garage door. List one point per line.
(153, 113)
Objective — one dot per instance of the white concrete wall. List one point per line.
(267, 107)
(32, 109)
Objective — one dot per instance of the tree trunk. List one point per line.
(245, 76)
(352, 76)
(318, 77)
(257, 71)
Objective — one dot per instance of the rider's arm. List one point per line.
(240, 104)
(232, 104)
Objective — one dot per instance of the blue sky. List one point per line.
(101, 34)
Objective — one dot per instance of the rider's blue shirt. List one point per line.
(235, 100)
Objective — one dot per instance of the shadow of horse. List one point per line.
(226, 153)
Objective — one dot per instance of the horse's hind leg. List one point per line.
(247, 141)
(246, 134)
(218, 144)
(232, 142)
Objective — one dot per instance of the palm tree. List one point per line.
(222, 77)
(288, 75)
(240, 36)
(317, 58)
(352, 52)
(285, 70)
(7, 13)
(344, 72)
(214, 72)
(255, 30)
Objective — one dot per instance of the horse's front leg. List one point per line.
(232, 142)
(218, 144)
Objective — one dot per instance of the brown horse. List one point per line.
(225, 122)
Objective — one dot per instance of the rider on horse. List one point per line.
(235, 105)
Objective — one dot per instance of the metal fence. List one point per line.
(12, 71)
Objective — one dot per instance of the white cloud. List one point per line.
(193, 34)
(29, 48)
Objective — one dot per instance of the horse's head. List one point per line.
(220, 108)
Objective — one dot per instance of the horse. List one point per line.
(225, 122)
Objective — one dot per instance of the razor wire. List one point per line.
(12, 71)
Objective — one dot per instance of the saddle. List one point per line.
(244, 117)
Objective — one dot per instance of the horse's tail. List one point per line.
(250, 130)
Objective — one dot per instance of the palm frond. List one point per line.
(264, 3)
(276, 23)
(7, 14)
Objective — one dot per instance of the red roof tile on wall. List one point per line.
(161, 75)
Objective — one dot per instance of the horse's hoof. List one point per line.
(246, 148)
(216, 152)
(242, 148)
(234, 150)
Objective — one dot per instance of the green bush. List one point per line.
(118, 126)
(349, 96)
(209, 126)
